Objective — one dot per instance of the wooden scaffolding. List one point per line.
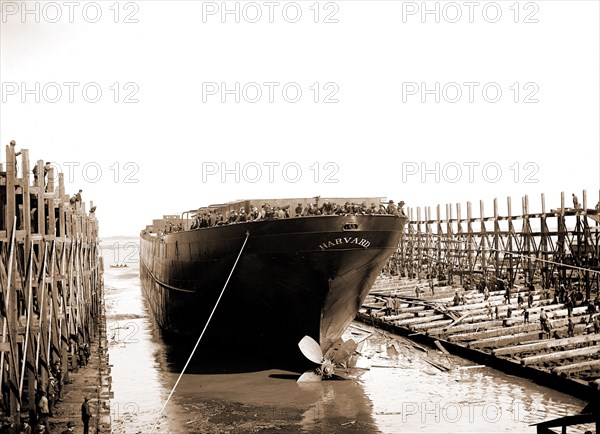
(50, 276)
(554, 246)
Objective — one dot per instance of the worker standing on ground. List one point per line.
(86, 415)
(570, 328)
(544, 322)
(456, 299)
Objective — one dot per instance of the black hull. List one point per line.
(295, 277)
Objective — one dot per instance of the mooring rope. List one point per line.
(201, 334)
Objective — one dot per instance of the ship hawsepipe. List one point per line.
(296, 276)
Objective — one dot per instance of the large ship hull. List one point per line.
(294, 277)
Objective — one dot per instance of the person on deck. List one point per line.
(391, 208)
(401, 209)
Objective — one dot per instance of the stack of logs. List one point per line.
(486, 326)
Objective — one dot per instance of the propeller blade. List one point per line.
(311, 349)
(309, 377)
(341, 351)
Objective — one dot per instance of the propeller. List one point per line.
(312, 351)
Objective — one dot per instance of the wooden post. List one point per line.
(36, 327)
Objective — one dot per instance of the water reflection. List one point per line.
(395, 391)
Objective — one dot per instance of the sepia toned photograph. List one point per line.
(311, 216)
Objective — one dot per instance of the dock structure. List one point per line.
(560, 245)
(515, 292)
(51, 304)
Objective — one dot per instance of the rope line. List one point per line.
(201, 334)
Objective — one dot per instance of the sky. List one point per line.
(158, 107)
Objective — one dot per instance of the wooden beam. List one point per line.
(559, 355)
(546, 344)
(577, 367)
(502, 341)
(413, 321)
(494, 332)
(433, 324)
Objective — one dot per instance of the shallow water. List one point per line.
(393, 389)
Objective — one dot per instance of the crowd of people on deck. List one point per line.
(211, 217)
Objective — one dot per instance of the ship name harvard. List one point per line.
(345, 240)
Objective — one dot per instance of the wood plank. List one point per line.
(430, 325)
(559, 355)
(493, 332)
(437, 365)
(412, 321)
(441, 347)
(577, 367)
(471, 326)
(546, 344)
(459, 320)
(502, 341)
(391, 318)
